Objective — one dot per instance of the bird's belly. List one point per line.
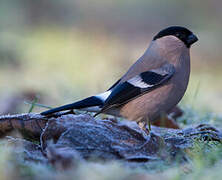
(153, 103)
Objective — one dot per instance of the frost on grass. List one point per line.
(80, 146)
(66, 139)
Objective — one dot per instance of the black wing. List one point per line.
(138, 85)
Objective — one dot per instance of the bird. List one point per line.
(151, 87)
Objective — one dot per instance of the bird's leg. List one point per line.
(149, 124)
(142, 126)
(145, 133)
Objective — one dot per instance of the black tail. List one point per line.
(88, 102)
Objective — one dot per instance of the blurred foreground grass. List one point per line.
(67, 65)
(204, 162)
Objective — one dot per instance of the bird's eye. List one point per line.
(177, 34)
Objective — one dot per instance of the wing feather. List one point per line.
(138, 85)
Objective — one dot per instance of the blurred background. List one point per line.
(62, 51)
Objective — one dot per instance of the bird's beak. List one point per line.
(192, 39)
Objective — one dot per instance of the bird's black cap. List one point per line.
(181, 33)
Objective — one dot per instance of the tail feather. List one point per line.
(88, 102)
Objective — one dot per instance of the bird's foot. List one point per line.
(145, 130)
